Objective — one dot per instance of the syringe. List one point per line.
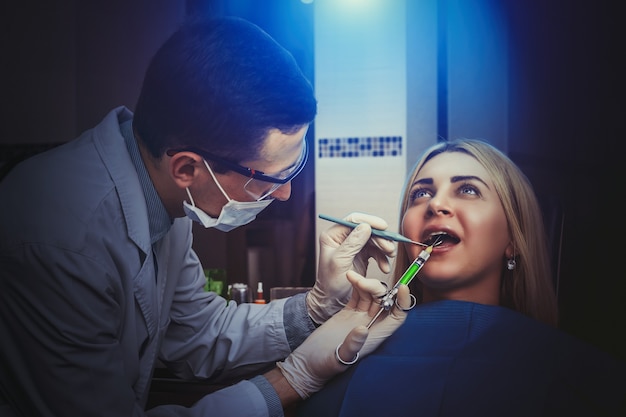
(389, 299)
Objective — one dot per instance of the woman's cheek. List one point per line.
(411, 225)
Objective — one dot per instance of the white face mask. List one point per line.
(233, 214)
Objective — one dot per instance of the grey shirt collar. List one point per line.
(158, 219)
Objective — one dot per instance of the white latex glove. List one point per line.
(343, 249)
(314, 362)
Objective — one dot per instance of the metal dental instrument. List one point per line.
(385, 235)
(388, 300)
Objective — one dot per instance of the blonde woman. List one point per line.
(491, 185)
(483, 337)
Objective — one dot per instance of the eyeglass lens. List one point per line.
(260, 189)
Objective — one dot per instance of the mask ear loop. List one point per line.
(216, 181)
(190, 197)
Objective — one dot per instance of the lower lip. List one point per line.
(442, 248)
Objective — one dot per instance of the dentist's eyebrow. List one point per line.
(460, 178)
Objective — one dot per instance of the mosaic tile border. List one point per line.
(370, 146)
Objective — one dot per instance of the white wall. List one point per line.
(360, 82)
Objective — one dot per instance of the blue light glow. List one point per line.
(352, 7)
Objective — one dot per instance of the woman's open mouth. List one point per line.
(440, 238)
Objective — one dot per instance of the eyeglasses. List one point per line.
(260, 184)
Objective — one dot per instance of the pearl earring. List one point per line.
(511, 264)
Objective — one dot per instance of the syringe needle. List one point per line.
(375, 317)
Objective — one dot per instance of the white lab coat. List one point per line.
(82, 318)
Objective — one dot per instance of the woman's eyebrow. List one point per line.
(459, 178)
(423, 181)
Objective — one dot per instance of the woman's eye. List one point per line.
(468, 189)
(420, 193)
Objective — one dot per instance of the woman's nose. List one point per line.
(439, 205)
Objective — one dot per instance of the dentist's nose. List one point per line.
(283, 192)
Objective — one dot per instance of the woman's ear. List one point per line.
(183, 168)
(509, 252)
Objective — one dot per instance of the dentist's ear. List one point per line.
(183, 168)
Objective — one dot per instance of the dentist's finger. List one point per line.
(351, 346)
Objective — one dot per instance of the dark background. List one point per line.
(566, 132)
(66, 63)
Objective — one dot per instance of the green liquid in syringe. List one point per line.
(412, 270)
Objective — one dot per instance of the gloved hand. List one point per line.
(315, 361)
(343, 249)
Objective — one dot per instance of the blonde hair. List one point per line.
(528, 288)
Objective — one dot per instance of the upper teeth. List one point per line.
(433, 237)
